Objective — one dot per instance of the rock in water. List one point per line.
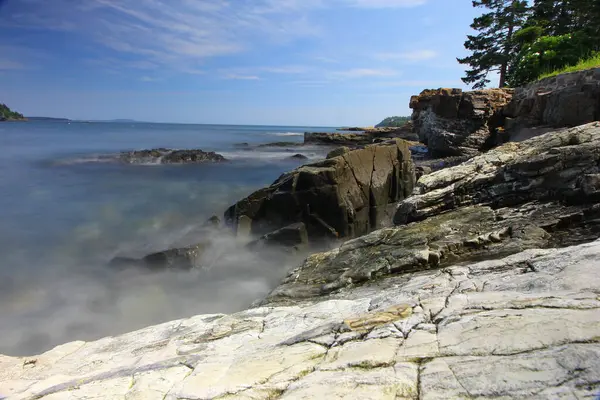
(343, 196)
(169, 156)
(456, 123)
(178, 259)
(298, 157)
(293, 236)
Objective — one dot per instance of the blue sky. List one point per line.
(280, 62)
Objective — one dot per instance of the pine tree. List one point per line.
(492, 49)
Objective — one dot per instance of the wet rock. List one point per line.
(298, 157)
(293, 236)
(456, 123)
(169, 156)
(344, 196)
(184, 258)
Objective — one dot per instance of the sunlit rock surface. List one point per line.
(526, 326)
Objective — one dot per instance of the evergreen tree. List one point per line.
(493, 48)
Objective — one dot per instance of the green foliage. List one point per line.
(524, 40)
(588, 63)
(392, 122)
(558, 33)
(547, 53)
(7, 113)
(493, 48)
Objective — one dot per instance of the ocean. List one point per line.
(66, 209)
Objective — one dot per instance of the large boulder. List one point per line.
(344, 196)
(456, 123)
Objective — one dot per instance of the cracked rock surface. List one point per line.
(524, 326)
(347, 195)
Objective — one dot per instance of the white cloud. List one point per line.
(286, 69)
(363, 73)
(181, 35)
(6, 65)
(412, 56)
(385, 3)
(242, 77)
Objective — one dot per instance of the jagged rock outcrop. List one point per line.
(456, 123)
(565, 100)
(344, 196)
(366, 135)
(562, 165)
(169, 156)
(534, 194)
(525, 326)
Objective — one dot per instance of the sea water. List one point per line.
(67, 208)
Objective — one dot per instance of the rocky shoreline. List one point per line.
(473, 276)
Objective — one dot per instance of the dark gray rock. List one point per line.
(178, 259)
(169, 156)
(341, 197)
(293, 236)
(298, 157)
(456, 123)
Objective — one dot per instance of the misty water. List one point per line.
(65, 212)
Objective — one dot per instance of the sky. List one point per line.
(271, 62)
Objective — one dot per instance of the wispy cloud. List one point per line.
(386, 3)
(182, 35)
(148, 79)
(6, 65)
(242, 77)
(412, 56)
(363, 72)
(177, 34)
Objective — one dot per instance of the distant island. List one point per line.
(392, 122)
(6, 114)
(48, 119)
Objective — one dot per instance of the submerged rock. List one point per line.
(169, 156)
(344, 196)
(298, 157)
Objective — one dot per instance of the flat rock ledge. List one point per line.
(525, 326)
